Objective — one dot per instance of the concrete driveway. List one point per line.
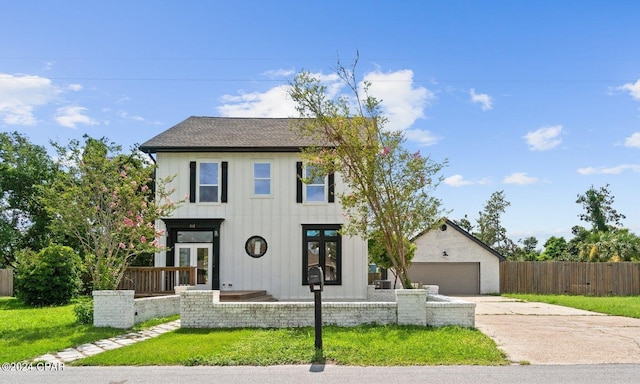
(550, 334)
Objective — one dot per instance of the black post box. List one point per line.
(316, 279)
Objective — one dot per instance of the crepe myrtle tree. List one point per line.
(388, 189)
(108, 202)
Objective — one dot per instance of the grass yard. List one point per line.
(27, 332)
(364, 346)
(628, 306)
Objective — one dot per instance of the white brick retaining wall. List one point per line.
(119, 309)
(203, 309)
(155, 307)
(384, 295)
(113, 309)
(445, 310)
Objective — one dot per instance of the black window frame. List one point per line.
(322, 257)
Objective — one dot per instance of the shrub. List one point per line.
(49, 277)
(84, 311)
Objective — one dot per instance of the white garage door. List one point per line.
(453, 278)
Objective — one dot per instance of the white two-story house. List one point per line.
(249, 222)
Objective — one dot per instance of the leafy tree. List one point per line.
(23, 219)
(599, 210)
(491, 231)
(465, 224)
(388, 189)
(526, 252)
(555, 248)
(49, 277)
(574, 246)
(529, 244)
(615, 245)
(378, 254)
(103, 200)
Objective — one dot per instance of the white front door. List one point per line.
(199, 256)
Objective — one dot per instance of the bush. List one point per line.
(49, 277)
(84, 311)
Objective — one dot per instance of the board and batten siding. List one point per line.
(460, 249)
(277, 218)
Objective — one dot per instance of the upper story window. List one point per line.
(315, 189)
(262, 176)
(209, 182)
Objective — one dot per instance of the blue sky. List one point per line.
(540, 99)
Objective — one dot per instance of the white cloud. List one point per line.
(70, 116)
(126, 115)
(519, 178)
(421, 137)
(482, 98)
(633, 89)
(633, 140)
(459, 181)
(75, 87)
(401, 102)
(275, 102)
(279, 73)
(20, 95)
(616, 170)
(544, 138)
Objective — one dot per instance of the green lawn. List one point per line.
(364, 345)
(28, 332)
(628, 306)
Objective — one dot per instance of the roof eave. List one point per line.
(154, 149)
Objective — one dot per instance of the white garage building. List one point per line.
(456, 261)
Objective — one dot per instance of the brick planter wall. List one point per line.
(203, 309)
(444, 310)
(411, 306)
(119, 309)
(113, 309)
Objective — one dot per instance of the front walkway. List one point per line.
(90, 349)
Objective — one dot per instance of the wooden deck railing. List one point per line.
(157, 280)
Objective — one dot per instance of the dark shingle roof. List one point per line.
(229, 134)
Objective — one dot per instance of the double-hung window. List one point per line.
(209, 182)
(262, 177)
(315, 188)
(322, 246)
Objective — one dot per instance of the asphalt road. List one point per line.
(538, 374)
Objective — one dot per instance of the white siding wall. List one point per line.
(277, 218)
(459, 248)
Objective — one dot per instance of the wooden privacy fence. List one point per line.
(570, 278)
(6, 282)
(157, 280)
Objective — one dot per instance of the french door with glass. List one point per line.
(197, 255)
